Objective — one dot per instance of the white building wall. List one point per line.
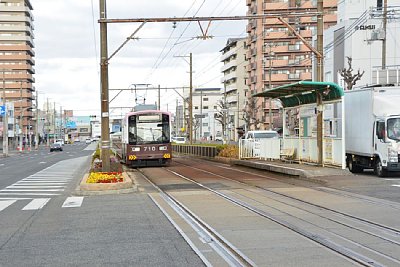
(358, 42)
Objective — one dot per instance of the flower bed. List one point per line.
(105, 177)
(113, 181)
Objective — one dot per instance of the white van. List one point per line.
(261, 134)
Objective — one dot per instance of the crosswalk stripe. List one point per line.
(36, 204)
(73, 202)
(30, 194)
(6, 203)
(33, 186)
(29, 190)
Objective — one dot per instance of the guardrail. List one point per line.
(202, 151)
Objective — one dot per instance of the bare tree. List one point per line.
(221, 114)
(250, 113)
(348, 76)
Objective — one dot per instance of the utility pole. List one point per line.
(384, 25)
(201, 114)
(191, 99)
(320, 75)
(54, 123)
(20, 118)
(5, 119)
(37, 122)
(159, 97)
(48, 123)
(270, 54)
(237, 118)
(61, 120)
(105, 131)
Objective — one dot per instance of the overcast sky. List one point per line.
(67, 50)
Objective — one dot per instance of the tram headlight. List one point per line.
(135, 149)
(163, 148)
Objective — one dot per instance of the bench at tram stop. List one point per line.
(287, 154)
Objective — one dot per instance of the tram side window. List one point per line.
(132, 130)
(165, 128)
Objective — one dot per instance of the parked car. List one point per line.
(88, 141)
(56, 147)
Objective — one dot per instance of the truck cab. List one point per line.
(387, 145)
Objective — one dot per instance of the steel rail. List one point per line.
(369, 223)
(230, 254)
(348, 253)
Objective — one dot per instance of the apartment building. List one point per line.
(234, 80)
(16, 59)
(276, 56)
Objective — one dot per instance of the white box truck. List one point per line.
(372, 126)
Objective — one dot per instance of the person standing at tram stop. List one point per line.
(394, 129)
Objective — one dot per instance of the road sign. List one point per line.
(198, 116)
(2, 110)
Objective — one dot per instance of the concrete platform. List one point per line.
(302, 170)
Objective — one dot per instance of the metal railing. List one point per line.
(202, 151)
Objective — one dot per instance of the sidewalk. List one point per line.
(302, 170)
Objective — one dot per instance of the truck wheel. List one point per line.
(353, 167)
(379, 170)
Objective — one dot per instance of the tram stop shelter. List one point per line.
(313, 124)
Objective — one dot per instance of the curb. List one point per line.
(85, 189)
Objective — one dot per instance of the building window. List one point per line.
(196, 107)
(205, 99)
(205, 107)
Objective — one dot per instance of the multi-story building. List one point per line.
(276, 56)
(359, 35)
(206, 104)
(234, 81)
(16, 58)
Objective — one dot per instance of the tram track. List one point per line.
(228, 252)
(375, 225)
(324, 236)
(329, 239)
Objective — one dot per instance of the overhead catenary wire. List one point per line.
(166, 43)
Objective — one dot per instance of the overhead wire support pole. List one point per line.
(105, 131)
(320, 78)
(5, 119)
(384, 34)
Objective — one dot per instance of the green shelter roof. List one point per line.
(303, 92)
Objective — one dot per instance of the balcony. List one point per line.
(294, 76)
(275, 6)
(230, 64)
(228, 77)
(228, 54)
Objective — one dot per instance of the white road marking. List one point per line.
(31, 194)
(5, 204)
(398, 185)
(42, 162)
(33, 186)
(73, 202)
(36, 204)
(28, 190)
(1, 164)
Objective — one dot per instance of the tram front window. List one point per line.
(148, 130)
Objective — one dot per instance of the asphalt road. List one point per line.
(42, 222)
